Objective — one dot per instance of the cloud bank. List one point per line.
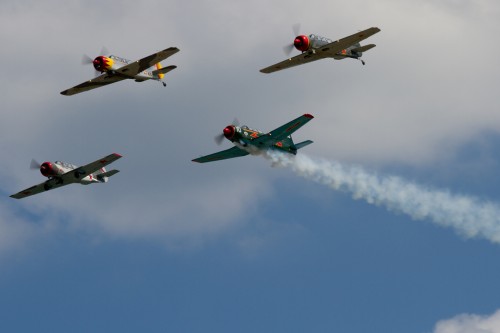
(470, 323)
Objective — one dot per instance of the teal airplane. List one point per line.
(249, 141)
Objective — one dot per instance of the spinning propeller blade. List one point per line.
(296, 29)
(289, 47)
(86, 60)
(34, 165)
(104, 51)
(219, 138)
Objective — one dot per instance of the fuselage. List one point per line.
(243, 137)
(312, 42)
(112, 63)
(54, 170)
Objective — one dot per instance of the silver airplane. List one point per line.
(62, 173)
(117, 69)
(314, 47)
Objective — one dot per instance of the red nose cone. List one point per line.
(46, 169)
(229, 132)
(301, 43)
(98, 63)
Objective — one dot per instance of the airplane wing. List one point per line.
(300, 59)
(99, 81)
(86, 170)
(222, 155)
(42, 187)
(328, 50)
(138, 66)
(282, 132)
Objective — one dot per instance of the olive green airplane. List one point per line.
(249, 141)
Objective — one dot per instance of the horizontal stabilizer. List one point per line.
(363, 48)
(109, 173)
(164, 70)
(103, 177)
(303, 144)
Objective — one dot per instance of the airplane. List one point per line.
(249, 141)
(314, 47)
(117, 69)
(62, 173)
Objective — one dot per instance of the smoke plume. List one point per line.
(469, 216)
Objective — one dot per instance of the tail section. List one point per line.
(362, 49)
(303, 144)
(161, 71)
(103, 176)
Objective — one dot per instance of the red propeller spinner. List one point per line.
(302, 43)
(47, 169)
(229, 132)
(99, 63)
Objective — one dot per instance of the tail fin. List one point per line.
(303, 144)
(160, 71)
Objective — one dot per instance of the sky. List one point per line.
(387, 223)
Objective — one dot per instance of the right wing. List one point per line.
(87, 169)
(138, 66)
(222, 155)
(42, 187)
(99, 81)
(282, 132)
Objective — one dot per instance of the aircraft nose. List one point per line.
(228, 131)
(46, 169)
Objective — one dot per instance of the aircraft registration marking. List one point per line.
(293, 126)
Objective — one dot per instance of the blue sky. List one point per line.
(239, 245)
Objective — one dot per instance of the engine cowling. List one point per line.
(102, 63)
(229, 132)
(47, 169)
(302, 43)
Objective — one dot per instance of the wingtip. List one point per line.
(118, 155)
(310, 116)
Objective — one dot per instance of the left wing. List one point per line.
(282, 132)
(300, 59)
(42, 187)
(99, 81)
(138, 66)
(222, 155)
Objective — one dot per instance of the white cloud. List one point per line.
(470, 323)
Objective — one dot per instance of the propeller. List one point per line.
(220, 137)
(289, 47)
(104, 51)
(34, 165)
(86, 60)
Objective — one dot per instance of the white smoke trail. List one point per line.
(468, 215)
